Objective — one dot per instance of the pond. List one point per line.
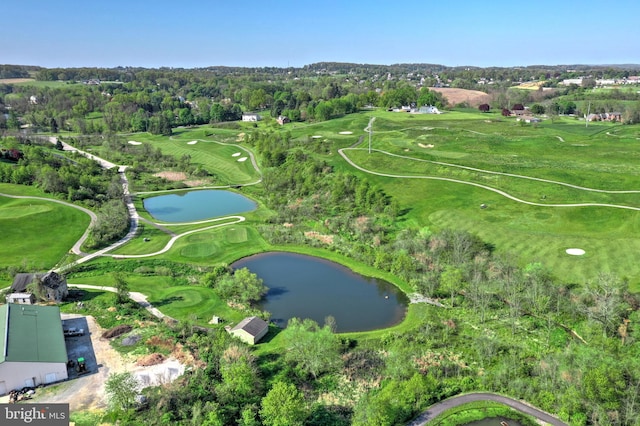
(303, 286)
(197, 205)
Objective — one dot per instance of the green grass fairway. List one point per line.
(485, 149)
(219, 154)
(37, 233)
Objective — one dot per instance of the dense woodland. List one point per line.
(571, 349)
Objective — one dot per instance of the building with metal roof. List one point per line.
(250, 330)
(32, 346)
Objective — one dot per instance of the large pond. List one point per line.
(197, 205)
(310, 287)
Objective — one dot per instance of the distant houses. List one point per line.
(283, 119)
(251, 117)
(427, 109)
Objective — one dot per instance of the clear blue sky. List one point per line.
(191, 34)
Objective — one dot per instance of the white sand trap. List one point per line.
(346, 133)
(135, 143)
(575, 252)
(192, 143)
(235, 154)
(316, 136)
(241, 159)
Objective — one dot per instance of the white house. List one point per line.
(250, 116)
(32, 346)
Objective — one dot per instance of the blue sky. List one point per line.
(191, 34)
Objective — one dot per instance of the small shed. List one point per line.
(21, 298)
(250, 330)
(283, 119)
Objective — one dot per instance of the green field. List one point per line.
(36, 233)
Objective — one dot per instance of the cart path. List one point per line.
(439, 408)
(139, 298)
(93, 217)
(606, 191)
(489, 188)
(134, 217)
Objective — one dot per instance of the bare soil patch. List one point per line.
(87, 392)
(15, 80)
(326, 239)
(456, 96)
(172, 176)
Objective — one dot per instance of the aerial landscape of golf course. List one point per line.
(490, 254)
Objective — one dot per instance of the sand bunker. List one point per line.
(346, 133)
(135, 143)
(430, 145)
(575, 252)
(316, 136)
(241, 159)
(192, 143)
(236, 154)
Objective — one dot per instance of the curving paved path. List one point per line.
(133, 213)
(76, 247)
(489, 188)
(140, 298)
(439, 408)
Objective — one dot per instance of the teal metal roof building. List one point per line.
(32, 349)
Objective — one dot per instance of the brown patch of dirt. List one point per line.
(172, 176)
(151, 359)
(240, 137)
(457, 96)
(116, 331)
(161, 343)
(15, 80)
(327, 239)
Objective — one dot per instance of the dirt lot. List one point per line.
(456, 96)
(86, 392)
(14, 80)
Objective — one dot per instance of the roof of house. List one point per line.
(31, 333)
(22, 280)
(252, 325)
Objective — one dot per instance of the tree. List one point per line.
(122, 288)
(484, 107)
(430, 97)
(314, 350)
(242, 286)
(121, 389)
(451, 281)
(538, 109)
(283, 405)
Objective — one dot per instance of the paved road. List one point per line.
(439, 408)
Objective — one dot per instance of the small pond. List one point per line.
(310, 287)
(197, 205)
